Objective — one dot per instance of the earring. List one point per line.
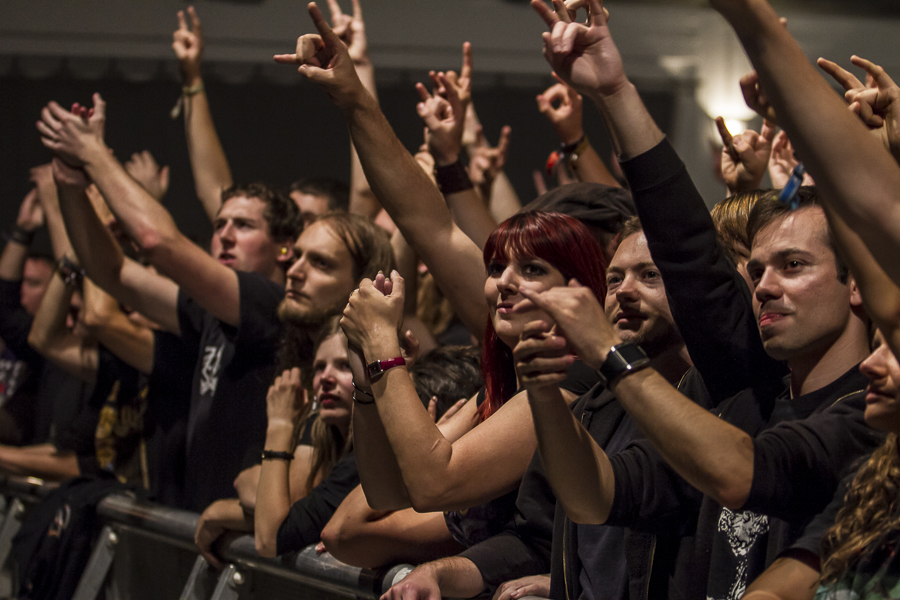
(284, 250)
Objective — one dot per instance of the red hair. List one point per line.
(564, 242)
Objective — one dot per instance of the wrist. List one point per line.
(381, 347)
(191, 77)
(570, 136)
(444, 159)
(280, 437)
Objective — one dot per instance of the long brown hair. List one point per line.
(328, 443)
(871, 509)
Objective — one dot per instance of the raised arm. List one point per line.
(29, 219)
(351, 29)
(709, 299)
(745, 156)
(285, 404)
(835, 147)
(126, 280)
(79, 141)
(443, 113)
(411, 199)
(208, 162)
(562, 106)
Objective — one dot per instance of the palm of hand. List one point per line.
(594, 64)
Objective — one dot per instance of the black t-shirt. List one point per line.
(234, 368)
(309, 515)
(731, 548)
(46, 398)
(106, 434)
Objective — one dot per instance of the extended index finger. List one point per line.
(545, 12)
(466, 70)
(844, 77)
(726, 136)
(598, 15)
(335, 9)
(322, 25)
(182, 24)
(195, 20)
(882, 79)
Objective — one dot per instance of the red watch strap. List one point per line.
(378, 367)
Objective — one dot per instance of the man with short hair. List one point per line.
(318, 195)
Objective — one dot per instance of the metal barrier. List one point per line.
(305, 574)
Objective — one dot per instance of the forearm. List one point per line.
(12, 260)
(379, 473)
(49, 326)
(504, 201)
(39, 461)
(123, 337)
(577, 468)
(880, 295)
(418, 209)
(712, 455)
(840, 155)
(588, 166)
(362, 199)
(470, 212)
(630, 126)
(457, 577)
(363, 537)
(59, 239)
(143, 218)
(208, 161)
(273, 500)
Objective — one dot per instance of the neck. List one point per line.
(815, 370)
(277, 275)
(672, 363)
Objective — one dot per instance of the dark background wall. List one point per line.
(270, 132)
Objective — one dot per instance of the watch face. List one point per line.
(374, 369)
(632, 354)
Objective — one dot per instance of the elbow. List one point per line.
(333, 536)
(152, 240)
(96, 318)
(265, 545)
(731, 494)
(38, 340)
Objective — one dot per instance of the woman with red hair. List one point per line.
(478, 459)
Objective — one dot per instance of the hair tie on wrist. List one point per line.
(277, 455)
(365, 393)
(186, 92)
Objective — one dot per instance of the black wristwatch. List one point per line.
(623, 359)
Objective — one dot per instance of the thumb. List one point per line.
(399, 284)
(574, 283)
(164, 177)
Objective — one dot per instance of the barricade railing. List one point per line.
(320, 575)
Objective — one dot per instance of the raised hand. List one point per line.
(143, 168)
(579, 317)
(562, 106)
(351, 30)
(485, 162)
(583, 55)
(444, 116)
(188, 46)
(756, 98)
(73, 135)
(31, 213)
(286, 400)
(877, 102)
(783, 161)
(324, 58)
(374, 314)
(541, 357)
(745, 156)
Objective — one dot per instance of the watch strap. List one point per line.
(623, 359)
(377, 368)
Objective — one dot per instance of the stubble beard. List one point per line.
(292, 312)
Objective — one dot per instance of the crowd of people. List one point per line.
(607, 393)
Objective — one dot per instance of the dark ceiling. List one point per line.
(846, 7)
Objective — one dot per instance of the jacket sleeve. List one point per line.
(709, 299)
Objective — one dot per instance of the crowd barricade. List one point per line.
(147, 551)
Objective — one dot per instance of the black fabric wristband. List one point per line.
(21, 236)
(453, 178)
(276, 455)
(363, 392)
